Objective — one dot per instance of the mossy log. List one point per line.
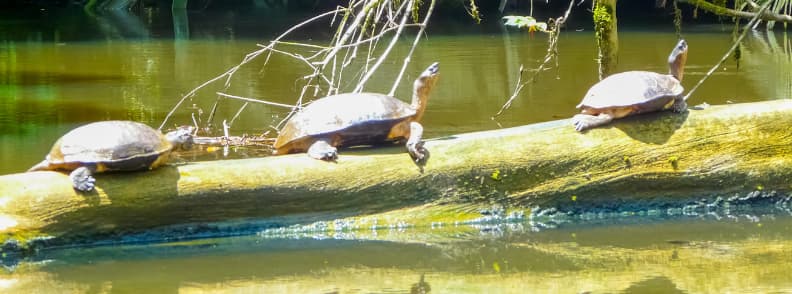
(636, 162)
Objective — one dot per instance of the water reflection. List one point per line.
(629, 255)
(773, 53)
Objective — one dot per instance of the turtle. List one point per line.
(634, 92)
(354, 119)
(112, 146)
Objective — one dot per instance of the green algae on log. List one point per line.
(641, 161)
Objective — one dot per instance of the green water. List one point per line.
(703, 254)
(53, 79)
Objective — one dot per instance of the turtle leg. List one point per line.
(414, 143)
(583, 122)
(321, 149)
(82, 178)
(679, 106)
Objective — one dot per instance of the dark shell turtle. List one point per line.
(634, 92)
(354, 119)
(112, 146)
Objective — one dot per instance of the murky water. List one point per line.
(52, 79)
(740, 254)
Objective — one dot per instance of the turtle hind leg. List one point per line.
(584, 122)
(414, 144)
(679, 105)
(82, 178)
(321, 149)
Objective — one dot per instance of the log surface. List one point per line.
(644, 160)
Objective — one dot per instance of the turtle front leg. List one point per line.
(414, 144)
(584, 122)
(321, 149)
(679, 106)
(82, 178)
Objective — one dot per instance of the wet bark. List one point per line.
(643, 161)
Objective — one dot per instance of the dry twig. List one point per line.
(552, 54)
(746, 28)
(362, 23)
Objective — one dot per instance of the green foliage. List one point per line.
(415, 9)
(474, 12)
(526, 22)
(602, 21)
(496, 175)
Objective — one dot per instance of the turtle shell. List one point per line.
(111, 145)
(348, 119)
(632, 88)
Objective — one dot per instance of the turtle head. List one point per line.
(676, 61)
(181, 138)
(422, 86)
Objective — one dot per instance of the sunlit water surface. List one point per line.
(50, 84)
(692, 254)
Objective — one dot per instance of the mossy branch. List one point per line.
(646, 160)
(719, 10)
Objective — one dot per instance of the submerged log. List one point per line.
(643, 161)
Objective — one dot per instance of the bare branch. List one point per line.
(247, 59)
(352, 27)
(362, 23)
(746, 28)
(256, 100)
(410, 53)
(384, 54)
(552, 54)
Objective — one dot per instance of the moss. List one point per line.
(496, 175)
(23, 242)
(602, 21)
(674, 161)
(538, 165)
(604, 15)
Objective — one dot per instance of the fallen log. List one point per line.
(644, 161)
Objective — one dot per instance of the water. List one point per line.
(617, 255)
(53, 78)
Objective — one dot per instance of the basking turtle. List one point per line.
(634, 92)
(112, 146)
(354, 119)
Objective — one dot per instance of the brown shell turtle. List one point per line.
(634, 92)
(112, 146)
(354, 119)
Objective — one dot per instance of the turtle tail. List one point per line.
(43, 165)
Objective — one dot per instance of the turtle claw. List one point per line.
(580, 123)
(323, 151)
(415, 146)
(417, 151)
(326, 156)
(679, 106)
(82, 180)
(584, 122)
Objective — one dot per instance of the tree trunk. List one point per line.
(649, 160)
(607, 35)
